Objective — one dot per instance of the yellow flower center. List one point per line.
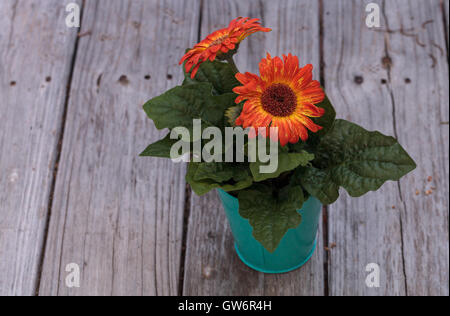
(279, 100)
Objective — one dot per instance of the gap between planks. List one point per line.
(188, 192)
(395, 129)
(325, 227)
(58, 155)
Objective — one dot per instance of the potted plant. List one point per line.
(224, 122)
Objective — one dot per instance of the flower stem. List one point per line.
(233, 66)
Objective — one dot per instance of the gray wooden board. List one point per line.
(36, 50)
(404, 96)
(445, 7)
(420, 89)
(212, 267)
(117, 216)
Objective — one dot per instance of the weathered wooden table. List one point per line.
(73, 191)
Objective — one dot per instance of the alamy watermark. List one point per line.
(373, 16)
(73, 17)
(373, 278)
(73, 275)
(262, 145)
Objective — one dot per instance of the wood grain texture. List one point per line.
(116, 215)
(367, 229)
(120, 217)
(445, 7)
(382, 79)
(212, 266)
(420, 93)
(36, 51)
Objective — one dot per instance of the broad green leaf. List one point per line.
(180, 105)
(161, 148)
(326, 121)
(218, 73)
(202, 179)
(219, 172)
(297, 147)
(271, 217)
(356, 159)
(319, 184)
(286, 162)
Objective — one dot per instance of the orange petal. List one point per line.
(194, 71)
(310, 110)
(308, 123)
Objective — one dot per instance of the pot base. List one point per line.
(276, 271)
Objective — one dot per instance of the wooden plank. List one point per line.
(36, 50)
(420, 90)
(375, 78)
(212, 267)
(366, 230)
(445, 7)
(117, 216)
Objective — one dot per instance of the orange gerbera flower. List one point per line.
(220, 42)
(284, 96)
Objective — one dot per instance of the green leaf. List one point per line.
(326, 121)
(180, 105)
(219, 172)
(161, 148)
(286, 162)
(219, 74)
(356, 159)
(204, 177)
(297, 147)
(271, 217)
(319, 184)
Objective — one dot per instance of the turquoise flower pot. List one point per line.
(294, 250)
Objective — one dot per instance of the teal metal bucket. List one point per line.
(294, 250)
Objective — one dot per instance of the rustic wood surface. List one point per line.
(365, 230)
(35, 65)
(118, 216)
(419, 77)
(72, 189)
(394, 80)
(445, 8)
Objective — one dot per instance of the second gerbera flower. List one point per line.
(220, 42)
(284, 96)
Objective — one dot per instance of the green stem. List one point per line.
(233, 66)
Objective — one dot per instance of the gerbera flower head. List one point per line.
(283, 96)
(221, 42)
